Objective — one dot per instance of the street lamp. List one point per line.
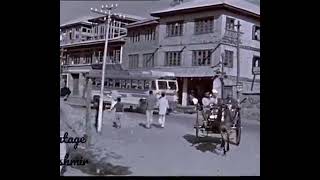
(106, 13)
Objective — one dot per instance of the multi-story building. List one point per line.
(192, 37)
(82, 45)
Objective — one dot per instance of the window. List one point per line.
(128, 84)
(110, 83)
(123, 84)
(117, 83)
(228, 60)
(162, 85)
(133, 61)
(135, 37)
(146, 84)
(204, 25)
(88, 59)
(148, 60)
(153, 85)
(140, 84)
(116, 56)
(256, 32)
(149, 35)
(228, 90)
(175, 29)
(173, 58)
(201, 58)
(134, 84)
(230, 24)
(172, 85)
(76, 60)
(255, 65)
(84, 30)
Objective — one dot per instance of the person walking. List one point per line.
(118, 113)
(65, 92)
(151, 103)
(163, 106)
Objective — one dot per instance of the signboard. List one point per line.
(256, 65)
(256, 70)
(239, 86)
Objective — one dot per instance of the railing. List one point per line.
(96, 36)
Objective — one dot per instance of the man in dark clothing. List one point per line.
(118, 114)
(65, 92)
(151, 104)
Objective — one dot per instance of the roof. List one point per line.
(143, 23)
(128, 17)
(134, 17)
(238, 4)
(86, 19)
(80, 20)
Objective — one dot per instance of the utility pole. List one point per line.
(222, 76)
(88, 110)
(108, 15)
(238, 57)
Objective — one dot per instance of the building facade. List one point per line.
(82, 46)
(192, 37)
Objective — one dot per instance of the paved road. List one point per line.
(134, 150)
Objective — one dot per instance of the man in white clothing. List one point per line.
(163, 106)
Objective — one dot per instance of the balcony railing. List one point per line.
(117, 33)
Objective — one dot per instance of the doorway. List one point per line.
(75, 88)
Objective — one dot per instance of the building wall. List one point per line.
(246, 27)
(189, 39)
(208, 41)
(141, 47)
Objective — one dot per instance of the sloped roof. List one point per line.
(80, 20)
(143, 22)
(240, 4)
(85, 19)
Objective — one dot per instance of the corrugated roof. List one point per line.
(241, 4)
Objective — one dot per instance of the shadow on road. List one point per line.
(98, 167)
(156, 125)
(204, 144)
(143, 125)
(152, 125)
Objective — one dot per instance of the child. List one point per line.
(119, 110)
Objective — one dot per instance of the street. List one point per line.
(172, 151)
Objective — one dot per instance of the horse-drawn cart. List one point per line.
(222, 118)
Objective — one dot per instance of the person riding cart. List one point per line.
(209, 100)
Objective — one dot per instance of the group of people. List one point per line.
(151, 103)
(154, 102)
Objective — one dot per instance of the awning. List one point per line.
(197, 71)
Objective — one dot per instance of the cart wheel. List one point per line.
(238, 131)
